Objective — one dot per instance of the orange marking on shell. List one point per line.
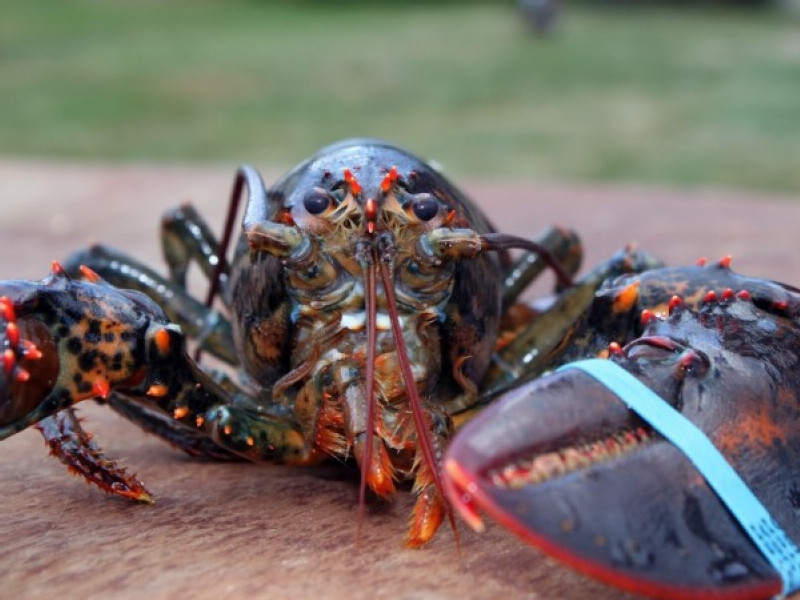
(157, 390)
(250, 441)
(90, 274)
(57, 269)
(743, 295)
(286, 218)
(389, 180)
(7, 309)
(101, 387)
(227, 429)
(9, 360)
(180, 412)
(371, 214)
(12, 331)
(352, 182)
(756, 429)
(448, 220)
(674, 303)
(162, 341)
(647, 316)
(626, 299)
(22, 375)
(199, 420)
(32, 351)
(725, 261)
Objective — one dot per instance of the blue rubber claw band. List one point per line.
(767, 535)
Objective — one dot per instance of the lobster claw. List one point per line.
(562, 463)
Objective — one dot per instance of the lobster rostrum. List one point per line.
(564, 464)
(361, 308)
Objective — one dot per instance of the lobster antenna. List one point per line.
(420, 420)
(371, 308)
(256, 209)
(503, 241)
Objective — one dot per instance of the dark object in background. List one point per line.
(540, 15)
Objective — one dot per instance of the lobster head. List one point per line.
(565, 465)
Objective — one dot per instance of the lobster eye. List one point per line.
(425, 207)
(316, 201)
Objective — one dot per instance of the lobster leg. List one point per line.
(538, 345)
(187, 404)
(195, 443)
(186, 237)
(563, 244)
(211, 330)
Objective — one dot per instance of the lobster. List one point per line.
(360, 312)
(369, 311)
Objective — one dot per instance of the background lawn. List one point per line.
(677, 96)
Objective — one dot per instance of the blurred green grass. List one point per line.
(649, 94)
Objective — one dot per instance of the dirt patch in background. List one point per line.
(220, 530)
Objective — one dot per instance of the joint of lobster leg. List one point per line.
(449, 244)
(164, 341)
(254, 436)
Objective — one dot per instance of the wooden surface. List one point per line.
(231, 531)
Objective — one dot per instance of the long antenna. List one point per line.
(257, 196)
(369, 434)
(420, 419)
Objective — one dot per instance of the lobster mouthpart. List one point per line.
(564, 464)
